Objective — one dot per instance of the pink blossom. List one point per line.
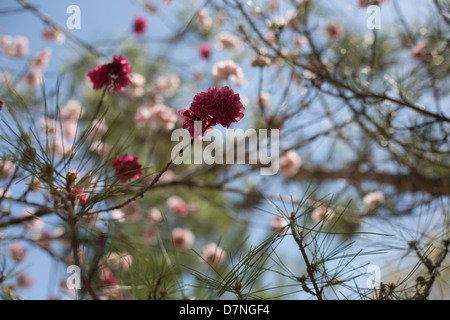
(106, 276)
(156, 117)
(204, 19)
(42, 59)
(118, 215)
(71, 110)
(422, 51)
(228, 69)
(182, 238)
(136, 88)
(166, 85)
(151, 235)
(101, 148)
(133, 210)
(51, 34)
(33, 77)
(290, 163)
(77, 195)
(4, 194)
(5, 41)
(17, 252)
(7, 168)
(35, 184)
(264, 99)
(32, 223)
(70, 128)
(222, 104)
(334, 30)
(322, 214)
(24, 281)
(261, 61)
(373, 199)
(60, 146)
(44, 240)
(119, 260)
(228, 41)
(154, 215)
(177, 205)
(127, 167)
(97, 130)
(213, 255)
(140, 25)
(48, 125)
(18, 47)
(114, 75)
(279, 225)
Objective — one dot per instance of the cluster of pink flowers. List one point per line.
(373, 199)
(119, 260)
(7, 168)
(177, 205)
(213, 255)
(228, 69)
(127, 167)
(279, 225)
(114, 75)
(215, 106)
(290, 163)
(182, 238)
(14, 47)
(204, 19)
(17, 252)
(228, 41)
(52, 34)
(78, 195)
(422, 51)
(156, 117)
(322, 214)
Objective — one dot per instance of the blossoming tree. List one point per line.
(88, 179)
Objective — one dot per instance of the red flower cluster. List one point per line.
(78, 194)
(215, 106)
(140, 25)
(127, 167)
(1, 105)
(114, 75)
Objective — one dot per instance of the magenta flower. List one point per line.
(205, 51)
(140, 25)
(114, 75)
(215, 106)
(127, 167)
(78, 194)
